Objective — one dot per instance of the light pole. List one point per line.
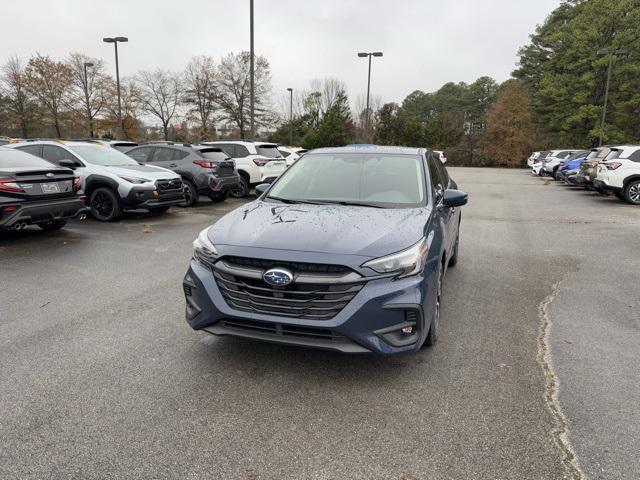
(368, 54)
(86, 97)
(252, 73)
(290, 90)
(611, 54)
(115, 41)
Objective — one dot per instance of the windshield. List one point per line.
(268, 151)
(107, 157)
(377, 180)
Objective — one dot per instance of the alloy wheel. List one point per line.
(634, 192)
(102, 204)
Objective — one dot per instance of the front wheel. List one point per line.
(454, 258)
(240, 190)
(434, 329)
(632, 192)
(190, 194)
(105, 205)
(53, 225)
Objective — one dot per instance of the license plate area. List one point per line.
(50, 187)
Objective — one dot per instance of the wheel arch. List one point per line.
(97, 181)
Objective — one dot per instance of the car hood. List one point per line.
(143, 171)
(336, 229)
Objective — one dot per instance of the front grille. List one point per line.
(169, 186)
(282, 329)
(318, 292)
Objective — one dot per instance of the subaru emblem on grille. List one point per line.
(278, 277)
(49, 175)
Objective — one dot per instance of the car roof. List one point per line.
(626, 149)
(371, 149)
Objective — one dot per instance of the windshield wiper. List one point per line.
(346, 203)
(290, 201)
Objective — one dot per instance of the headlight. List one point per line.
(133, 179)
(203, 250)
(406, 263)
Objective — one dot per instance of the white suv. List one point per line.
(113, 181)
(619, 173)
(256, 162)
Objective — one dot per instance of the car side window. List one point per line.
(241, 151)
(32, 149)
(179, 155)
(437, 183)
(55, 154)
(226, 148)
(163, 155)
(140, 154)
(635, 156)
(444, 175)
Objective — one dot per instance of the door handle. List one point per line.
(173, 165)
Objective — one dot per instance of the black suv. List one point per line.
(204, 170)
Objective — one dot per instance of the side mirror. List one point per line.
(454, 198)
(67, 164)
(263, 187)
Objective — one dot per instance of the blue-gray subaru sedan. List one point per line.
(345, 251)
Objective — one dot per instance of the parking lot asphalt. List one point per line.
(100, 377)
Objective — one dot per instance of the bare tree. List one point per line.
(15, 89)
(234, 90)
(201, 78)
(330, 90)
(160, 95)
(50, 82)
(90, 84)
(130, 100)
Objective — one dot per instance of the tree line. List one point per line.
(555, 98)
(76, 97)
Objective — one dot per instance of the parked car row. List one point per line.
(110, 177)
(608, 170)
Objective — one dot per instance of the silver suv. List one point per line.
(113, 181)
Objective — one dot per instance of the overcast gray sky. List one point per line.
(425, 42)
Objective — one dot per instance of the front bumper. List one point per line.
(140, 197)
(33, 213)
(371, 322)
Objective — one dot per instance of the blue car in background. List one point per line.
(570, 167)
(345, 251)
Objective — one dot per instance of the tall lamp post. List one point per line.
(115, 41)
(368, 54)
(290, 90)
(252, 98)
(610, 54)
(86, 97)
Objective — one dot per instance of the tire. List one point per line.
(632, 192)
(190, 194)
(434, 328)
(241, 190)
(105, 205)
(454, 258)
(159, 210)
(557, 175)
(53, 225)
(218, 197)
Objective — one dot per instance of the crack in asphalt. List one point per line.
(560, 432)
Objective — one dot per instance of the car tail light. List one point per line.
(10, 185)
(77, 183)
(260, 161)
(209, 165)
(612, 165)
